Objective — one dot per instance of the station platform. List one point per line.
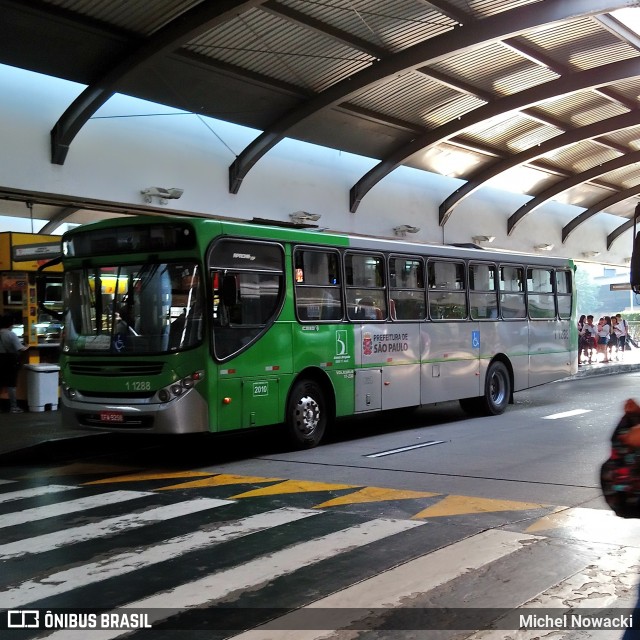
(43, 435)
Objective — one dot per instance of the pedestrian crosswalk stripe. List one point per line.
(123, 563)
(259, 571)
(150, 475)
(389, 589)
(465, 505)
(374, 494)
(106, 527)
(71, 506)
(221, 480)
(293, 486)
(308, 560)
(34, 492)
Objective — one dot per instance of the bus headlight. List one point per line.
(70, 393)
(176, 389)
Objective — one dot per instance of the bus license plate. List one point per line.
(111, 416)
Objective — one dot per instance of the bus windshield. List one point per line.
(133, 309)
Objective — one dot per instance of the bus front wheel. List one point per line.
(307, 416)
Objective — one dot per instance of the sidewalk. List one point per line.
(630, 363)
(39, 436)
(42, 437)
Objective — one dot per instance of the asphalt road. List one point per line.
(426, 523)
(547, 447)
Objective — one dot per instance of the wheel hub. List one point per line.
(309, 413)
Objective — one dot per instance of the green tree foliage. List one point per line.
(588, 299)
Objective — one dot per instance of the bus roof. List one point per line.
(287, 232)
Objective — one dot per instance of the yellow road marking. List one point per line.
(293, 486)
(221, 480)
(151, 475)
(465, 505)
(559, 517)
(450, 505)
(374, 494)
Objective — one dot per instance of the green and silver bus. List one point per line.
(176, 325)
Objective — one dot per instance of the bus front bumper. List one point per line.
(185, 414)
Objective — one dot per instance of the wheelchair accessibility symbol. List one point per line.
(475, 339)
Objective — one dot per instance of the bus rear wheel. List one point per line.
(497, 393)
(307, 414)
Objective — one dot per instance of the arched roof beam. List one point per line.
(572, 83)
(570, 227)
(579, 134)
(491, 29)
(573, 181)
(187, 26)
(617, 232)
(58, 218)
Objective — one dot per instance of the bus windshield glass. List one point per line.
(133, 309)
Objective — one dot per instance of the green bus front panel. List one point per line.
(251, 388)
(249, 402)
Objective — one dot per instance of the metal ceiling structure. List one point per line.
(551, 85)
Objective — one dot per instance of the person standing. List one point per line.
(582, 348)
(10, 348)
(591, 338)
(612, 347)
(622, 329)
(604, 331)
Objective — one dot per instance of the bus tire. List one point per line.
(497, 393)
(497, 389)
(307, 414)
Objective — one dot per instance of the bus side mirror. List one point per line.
(634, 267)
(634, 274)
(229, 291)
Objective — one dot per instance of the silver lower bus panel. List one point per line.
(186, 414)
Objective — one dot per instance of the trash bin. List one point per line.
(42, 386)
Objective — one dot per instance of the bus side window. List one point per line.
(247, 294)
(540, 296)
(317, 285)
(368, 309)
(447, 298)
(365, 285)
(512, 296)
(482, 291)
(563, 294)
(406, 275)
